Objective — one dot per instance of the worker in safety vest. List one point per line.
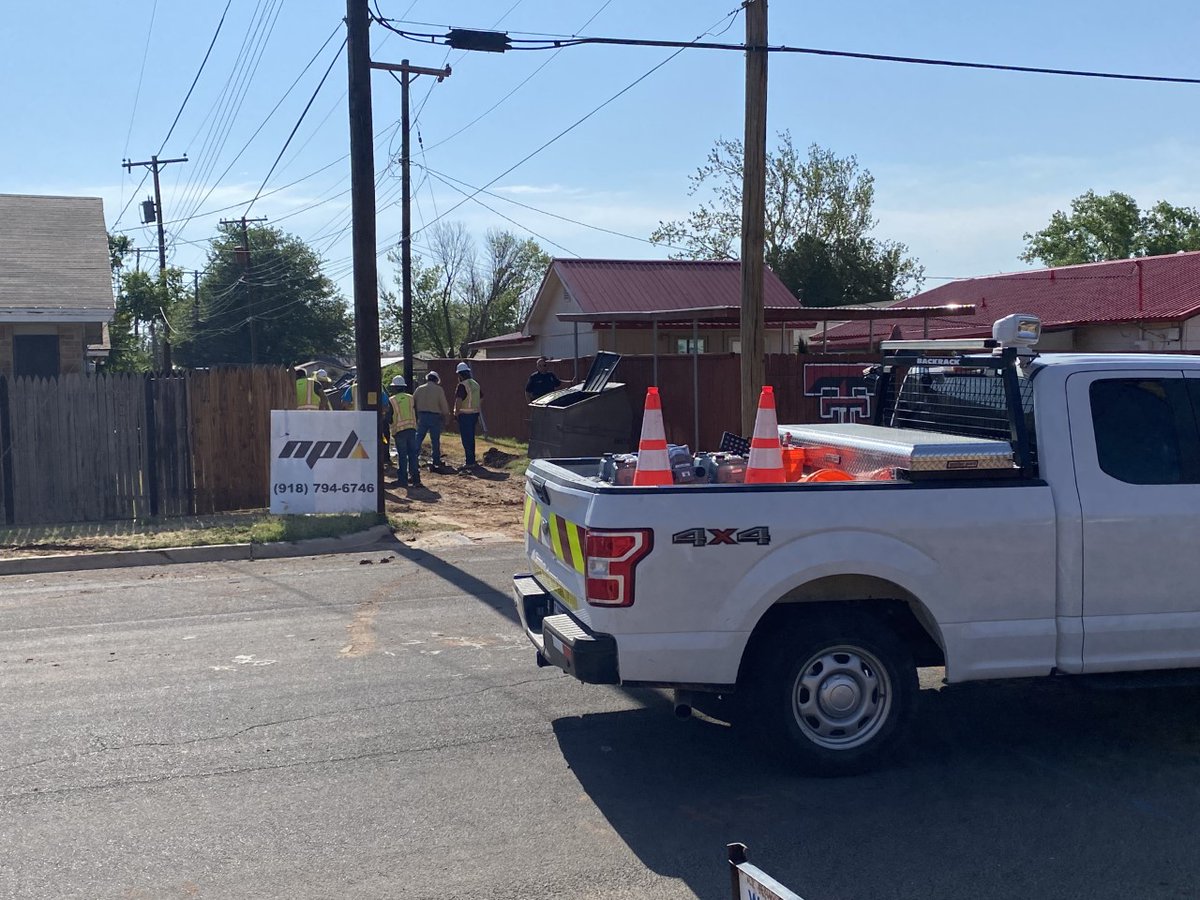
(403, 428)
(308, 392)
(467, 398)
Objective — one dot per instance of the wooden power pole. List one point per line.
(154, 164)
(243, 255)
(754, 189)
(405, 77)
(362, 213)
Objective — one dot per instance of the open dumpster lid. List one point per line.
(602, 368)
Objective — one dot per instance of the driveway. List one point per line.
(347, 727)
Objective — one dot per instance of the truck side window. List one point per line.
(1145, 430)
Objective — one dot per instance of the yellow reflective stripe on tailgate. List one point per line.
(549, 582)
(566, 538)
(556, 537)
(575, 538)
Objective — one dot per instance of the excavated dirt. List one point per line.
(455, 505)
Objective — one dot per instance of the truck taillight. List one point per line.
(611, 558)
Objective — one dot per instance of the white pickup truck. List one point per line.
(817, 601)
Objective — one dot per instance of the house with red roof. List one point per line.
(1146, 304)
(640, 307)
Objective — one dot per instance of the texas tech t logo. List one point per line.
(842, 390)
(313, 452)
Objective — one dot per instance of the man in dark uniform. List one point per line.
(543, 381)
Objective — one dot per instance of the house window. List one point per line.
(35, 355)
(686, 345)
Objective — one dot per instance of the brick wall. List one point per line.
(70, 349)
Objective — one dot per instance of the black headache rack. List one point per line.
(970, 388)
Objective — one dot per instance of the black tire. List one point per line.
(834, 694)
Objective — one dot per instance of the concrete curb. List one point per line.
(379, 536)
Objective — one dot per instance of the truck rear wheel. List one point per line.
(836, 694)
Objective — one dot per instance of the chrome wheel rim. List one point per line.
(841, 697)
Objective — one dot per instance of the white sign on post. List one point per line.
(323, 462)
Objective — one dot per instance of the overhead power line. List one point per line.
(199, 72)
(296, 127)
(580, 120)
(496, 41)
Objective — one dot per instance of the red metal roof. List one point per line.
(1151, 289)
(513, 337)
(629, 285)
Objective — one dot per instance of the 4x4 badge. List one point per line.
(710, 537)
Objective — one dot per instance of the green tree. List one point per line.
(1112, 227)
(464, 294)
(277, 289)
(818, 220)
(144, 301)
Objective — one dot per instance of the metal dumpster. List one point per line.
(588, 419)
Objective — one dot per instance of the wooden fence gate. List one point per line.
(83, 448)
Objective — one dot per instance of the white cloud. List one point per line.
(533, 189)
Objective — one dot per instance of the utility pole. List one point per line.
(154, 164)
(362, 205)
(754, 190)
(195, 301)
(405, 71)
(245, 260)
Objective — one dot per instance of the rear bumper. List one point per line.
(560, 640)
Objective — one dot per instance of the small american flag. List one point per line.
(733, 443)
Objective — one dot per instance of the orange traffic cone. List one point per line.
(653, 463)
(766, 454)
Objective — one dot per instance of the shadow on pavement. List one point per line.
(500, 601)
(1044, 789)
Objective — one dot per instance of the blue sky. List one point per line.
(964, 162)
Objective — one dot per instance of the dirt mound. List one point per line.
(497, 459)
(478, 504)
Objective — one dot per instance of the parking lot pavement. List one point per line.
(346, 726)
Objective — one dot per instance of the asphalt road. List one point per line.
(321, 727)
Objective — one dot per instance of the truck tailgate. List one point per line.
(555, 541)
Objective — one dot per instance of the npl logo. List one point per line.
(312, 452)
(842, 391)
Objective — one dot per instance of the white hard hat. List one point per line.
(322, 375)
(462, 367)
(399, 381)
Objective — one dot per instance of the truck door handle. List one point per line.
(539, 489)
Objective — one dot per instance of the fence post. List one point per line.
(151, 446)
(736, 854)
(6, 468)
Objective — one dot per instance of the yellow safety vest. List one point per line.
(471, 403)
(306, 394)
(402, 412)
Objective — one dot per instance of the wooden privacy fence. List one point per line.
(808, 388)
(83, 448)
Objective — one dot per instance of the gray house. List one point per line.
(56, 295)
